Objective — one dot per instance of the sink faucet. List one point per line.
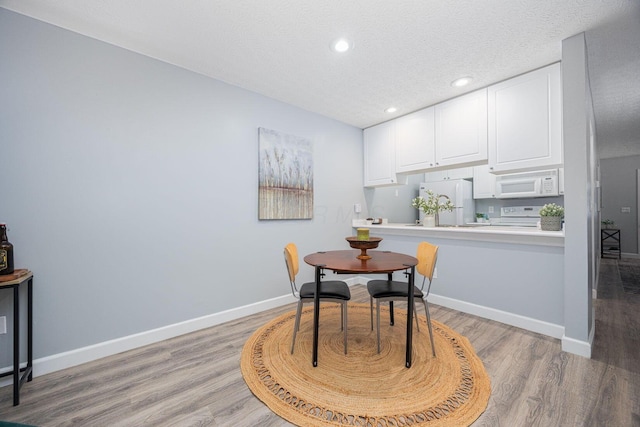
(439, 196)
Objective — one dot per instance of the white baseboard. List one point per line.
(538, 326)
(90, 353)
(78, 356)
(569, 345)
(581, 348)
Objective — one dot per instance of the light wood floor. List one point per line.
(195, 380)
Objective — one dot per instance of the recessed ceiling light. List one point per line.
(341, 45)
(462, 81)
(391, 110)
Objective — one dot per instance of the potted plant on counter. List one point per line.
(608, 224)
(431, 207)
(551, 217)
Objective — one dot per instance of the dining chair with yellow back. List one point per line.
(335, 291)
(391, 290)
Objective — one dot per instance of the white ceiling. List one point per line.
(406, 53)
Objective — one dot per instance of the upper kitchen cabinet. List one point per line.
(461, 130)
(415, 141)
(380, 155)
(484, 183)
(525, 122)
(448, 174)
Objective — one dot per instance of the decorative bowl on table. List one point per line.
(363, 245)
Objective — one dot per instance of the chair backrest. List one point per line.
(291, 260)
(427, 257)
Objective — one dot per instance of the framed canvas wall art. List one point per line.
(285, 176)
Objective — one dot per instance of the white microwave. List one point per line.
(527, 184)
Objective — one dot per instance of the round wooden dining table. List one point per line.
(346, 262)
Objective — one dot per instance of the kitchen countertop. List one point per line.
(487, 233)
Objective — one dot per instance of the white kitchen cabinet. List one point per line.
(379, 155)
(525, 122)
(484, 183)
(461, 130)
(457, 173)
(460, 173)
(415, 141)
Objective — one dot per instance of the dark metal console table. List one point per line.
(25, 374)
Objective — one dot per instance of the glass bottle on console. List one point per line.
(6, 252)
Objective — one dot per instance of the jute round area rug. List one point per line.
(364, 388)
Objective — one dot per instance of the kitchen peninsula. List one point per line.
(514, 275)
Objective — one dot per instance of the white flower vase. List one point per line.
(429, 221)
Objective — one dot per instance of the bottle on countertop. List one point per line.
(6, 252)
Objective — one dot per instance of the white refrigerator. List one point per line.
(460, 192)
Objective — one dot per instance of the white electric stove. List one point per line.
(518, 216)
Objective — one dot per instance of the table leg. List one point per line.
(316, 316)
(30, 330)
(410, 315)
(16, 345)
(391, 317)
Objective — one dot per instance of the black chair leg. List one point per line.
(371, 309)
(378, 323)
(344, 324)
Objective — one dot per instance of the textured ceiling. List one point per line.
(406, 53)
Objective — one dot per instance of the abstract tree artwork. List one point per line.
(285, 176)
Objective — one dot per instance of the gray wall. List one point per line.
(130, 188)
(619, 186)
